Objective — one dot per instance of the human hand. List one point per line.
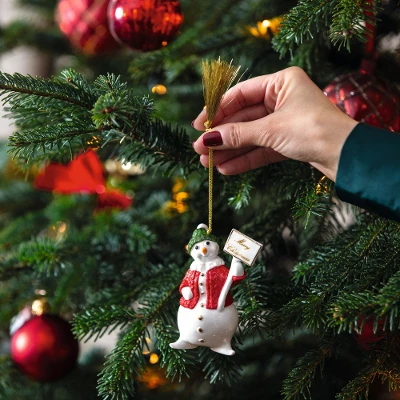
(271, 118)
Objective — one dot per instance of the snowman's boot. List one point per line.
(182, 345)
(225, 349)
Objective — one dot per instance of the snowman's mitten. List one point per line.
(237, 267)
(187, 293)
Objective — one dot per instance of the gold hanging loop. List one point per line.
(218, 76)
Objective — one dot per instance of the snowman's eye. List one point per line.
(196, 247)
(207, 243)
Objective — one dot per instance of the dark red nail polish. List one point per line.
(213, 138)
(192, 123)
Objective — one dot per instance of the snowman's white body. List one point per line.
(201, 325)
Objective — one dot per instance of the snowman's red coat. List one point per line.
(215, 279)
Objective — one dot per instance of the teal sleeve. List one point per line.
(369, 171)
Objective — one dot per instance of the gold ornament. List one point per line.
(94, 142)
(40, 306)
(323, 186)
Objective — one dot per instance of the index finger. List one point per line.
(243, 94)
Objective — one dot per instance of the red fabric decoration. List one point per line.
(113, 199)
(145, 25)
(84, 174)
(85, 24)
(44, 348)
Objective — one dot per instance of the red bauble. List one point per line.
(44, 348)
(145, 25)
(367, 98)
(84, 174)
(85, 24)
(367, 335)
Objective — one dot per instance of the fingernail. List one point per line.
(213, 138)
(192, 123)
(193, 143)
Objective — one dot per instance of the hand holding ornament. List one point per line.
(271, 118)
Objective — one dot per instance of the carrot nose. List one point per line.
(204, 250)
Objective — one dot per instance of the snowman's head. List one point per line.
(205, 251)
(203, 246)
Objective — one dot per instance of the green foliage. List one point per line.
(325, 269)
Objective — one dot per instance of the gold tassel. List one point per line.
(218, 76)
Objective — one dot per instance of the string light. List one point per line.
(179, 198)
(153, 358)
(266, 29)
(159, 89)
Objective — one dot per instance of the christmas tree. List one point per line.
(101, 190)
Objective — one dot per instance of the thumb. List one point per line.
(237, 135)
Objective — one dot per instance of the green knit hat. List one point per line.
(199, 235)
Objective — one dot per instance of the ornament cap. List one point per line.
(40, 307)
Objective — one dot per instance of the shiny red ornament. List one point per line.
(145, 25)
(85, 24)
(84, 174)
(44, 348)
(367, 98)
(113, 199)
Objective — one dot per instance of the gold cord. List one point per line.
(210, 189)
(217, 78)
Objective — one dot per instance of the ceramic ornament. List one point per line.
(207, 316)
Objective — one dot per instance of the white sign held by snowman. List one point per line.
(242, 247)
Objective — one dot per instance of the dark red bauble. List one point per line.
(145, 25)
(367, 98)
(367, 335)
(85, 24)
(44, 348)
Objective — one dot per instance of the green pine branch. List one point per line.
(382, 362)
(95, 322)
(219, 368)
(59, 117)
(177, 363)
(297, 385)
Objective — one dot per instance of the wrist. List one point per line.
(332, 139)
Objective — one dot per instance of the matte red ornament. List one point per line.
(84, 174)
(44, 348)
(85, 24)
(145, 25)
(113, 199)
(367, 98)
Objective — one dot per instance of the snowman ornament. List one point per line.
(207, 316)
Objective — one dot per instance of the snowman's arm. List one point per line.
(237, 271)
(184, 288)
(187, 293)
